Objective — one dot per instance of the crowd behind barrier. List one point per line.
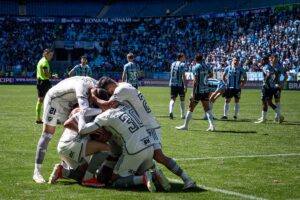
(156, 41)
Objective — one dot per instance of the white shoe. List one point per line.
(183, 127)
(162, 179)
(37, 177)
(260, 121)
(56, 174)
(149, 182)
(189, 184)
(211, 128)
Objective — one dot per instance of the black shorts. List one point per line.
(277, 93)
(267, 93)
(201, 97)
(177, 90)
(236, 93)
(42, 87)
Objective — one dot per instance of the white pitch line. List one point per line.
(243, 156)
(245, 196)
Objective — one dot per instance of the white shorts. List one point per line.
(56, 110)
(156, 135)
(73, 152)
(128, 165)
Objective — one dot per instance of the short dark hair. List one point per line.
(130, 56)
(104, 81)
(46, 51)
(199, 57)
(84, 56)
(102, 94)
(180, 55)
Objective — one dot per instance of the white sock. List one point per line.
(182, 108)
(264, 115)
(188, 117)
(210, 118)
(38, 167)
(278, 107)
(226, 108)
(236, 109)
(277, 111)
(171, 106)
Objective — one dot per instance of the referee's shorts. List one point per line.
(42, 87)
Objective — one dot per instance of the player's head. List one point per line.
(274, 59)
(265, 59)
(107, 84)
(130, 57)
(83, 59)
(235, 60)
(181, 57)
(199, 58)
(48, 54)
(102, 94)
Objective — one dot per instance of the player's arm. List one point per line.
(244, 81)
(46, 71)
(184, 81)
(72, 72)
(124, 74)
(224, 76)
(102, 104)
(86, 128)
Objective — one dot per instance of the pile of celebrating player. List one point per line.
(111, 137)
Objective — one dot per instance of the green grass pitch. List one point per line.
(241, 160)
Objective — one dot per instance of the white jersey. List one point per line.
(125, 125)
(72, 89)
(130, 96)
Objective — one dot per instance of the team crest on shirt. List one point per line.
(50, 119)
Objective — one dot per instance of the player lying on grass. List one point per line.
(75, 151)
(58, 104)
(128, 95)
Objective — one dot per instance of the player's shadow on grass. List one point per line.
(237, 132)
(290, 123)
(175, 188)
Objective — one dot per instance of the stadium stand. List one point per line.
(154, 41)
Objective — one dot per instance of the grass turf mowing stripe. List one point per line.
(227, 192)
(242, 156)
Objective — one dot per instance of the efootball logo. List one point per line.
(50, 119)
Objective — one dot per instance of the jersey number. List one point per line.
(52, 111)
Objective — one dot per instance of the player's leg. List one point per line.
(205, 105)
(278, 116)
(172, 165)
(174, 94)
(189, 114)
(123, 174)
(228, 95)
(38, 110)
(182, 105)
(237, 97)
(42, 88)
(42, 146)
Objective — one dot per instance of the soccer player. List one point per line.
(235, 78)
(59, 102)
(74, 150)
(130, 134)
(82, 69)
(178, 84)
(268, 89)
(279, 70)
(200, 93)
(43, 82)
(131, 72)
(125, 93)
